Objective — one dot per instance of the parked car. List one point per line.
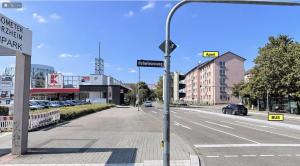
(71, 102)
(235, 109)
(33, 105)
(54, 104)
(64, 103)
(147, 104)
(44, 103)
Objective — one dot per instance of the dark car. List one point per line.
(235, 109)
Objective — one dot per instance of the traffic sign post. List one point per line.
(16, 40)
(169, 48)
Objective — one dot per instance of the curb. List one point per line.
(195, 160)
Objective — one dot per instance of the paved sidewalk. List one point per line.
(114, 136)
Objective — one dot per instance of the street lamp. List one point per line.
(166, 134)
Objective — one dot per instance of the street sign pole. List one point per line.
(166, 130)
(138, 93)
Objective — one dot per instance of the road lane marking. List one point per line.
(251, 124)
(178, 124)
(284, 135)
(243, 145)
(285, 155)
(174, 112)
(231, 156)
(154, 112)
(225, 132)
(266, 155)
(249, 155)
(219, 124)
(178, 117)
(298, 155)
(264, 122)
(212, 156)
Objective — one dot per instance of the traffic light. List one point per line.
(181, 86)
(178, 86)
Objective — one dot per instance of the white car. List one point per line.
(147, 104)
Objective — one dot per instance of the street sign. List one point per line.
(172, 46)
(14, 37)
(150, 63)
(210, 54)
(275, 117)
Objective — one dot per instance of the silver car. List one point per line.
(147, 104)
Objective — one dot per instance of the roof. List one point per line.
(54, 90)
(208, 62)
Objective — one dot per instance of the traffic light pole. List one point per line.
(166, 118)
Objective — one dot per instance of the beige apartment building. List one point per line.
(211, 82)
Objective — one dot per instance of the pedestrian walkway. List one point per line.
(114, 136)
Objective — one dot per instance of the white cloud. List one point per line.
(20, 9)
(39, 18)
(131, 70)
(129, 14)
(119, 69)
(55, 16)
(41, 45)
(66, 55)
(168, 5)
(149, 5)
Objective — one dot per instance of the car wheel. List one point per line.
(245, 114)
(224, 111)
(233, 113)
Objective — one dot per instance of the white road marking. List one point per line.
(266, 155)
(5, 134)
(231, 156)
(249, 155)
(212, 156)
(251, 124)
(178, 124)
(174, 112)
(298, 155)
(154, 112)
(219, 124)
(284, 135)
(177, 116)
(225, 132)
(284, 155)
(244, 145)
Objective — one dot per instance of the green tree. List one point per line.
(276, 70)
(159, 89)
(144, 93)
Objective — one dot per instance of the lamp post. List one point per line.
(166, 118)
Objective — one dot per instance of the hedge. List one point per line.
(68, 113)
(4, 111)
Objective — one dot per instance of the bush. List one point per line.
(4, 111)
(68, 113)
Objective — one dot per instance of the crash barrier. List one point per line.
(35, 120)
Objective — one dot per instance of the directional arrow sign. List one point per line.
(172, 46)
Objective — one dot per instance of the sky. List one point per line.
(66, 34)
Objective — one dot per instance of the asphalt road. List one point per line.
(230, 140)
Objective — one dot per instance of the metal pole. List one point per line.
(267, 100)
(139, 89)
(166, 125)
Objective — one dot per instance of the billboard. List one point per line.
(55, 80)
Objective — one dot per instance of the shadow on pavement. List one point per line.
(118, 155)
(4, 152)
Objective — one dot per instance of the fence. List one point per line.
(35, 120)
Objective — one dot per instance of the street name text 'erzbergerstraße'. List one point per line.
(12, 29)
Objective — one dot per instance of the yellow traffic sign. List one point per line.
(210, 54)
(275, 117)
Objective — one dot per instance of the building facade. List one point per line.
(211, 82)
